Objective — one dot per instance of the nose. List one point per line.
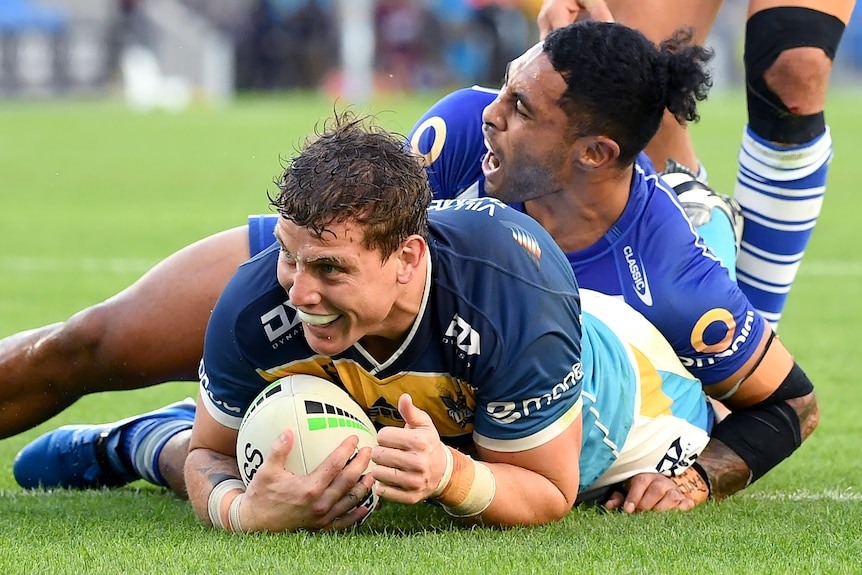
(491, 119)
(303, 290)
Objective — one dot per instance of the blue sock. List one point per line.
(780, 189)
(141, 443)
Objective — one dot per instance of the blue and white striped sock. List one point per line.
(142, 443)
(780, 189)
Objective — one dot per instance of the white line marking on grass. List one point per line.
(35, 265)
(805, 495)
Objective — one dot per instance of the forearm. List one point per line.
(524, 498)
(504, 495)
(728, 472)
(204, 470)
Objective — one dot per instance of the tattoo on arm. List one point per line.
(691, 484)
(727, 472)
(808, 410)
(219, 468)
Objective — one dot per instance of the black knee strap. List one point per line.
(767, 34)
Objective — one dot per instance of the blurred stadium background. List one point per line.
(172, 53)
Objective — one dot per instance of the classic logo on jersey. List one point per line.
(458, 410)
(639, 277)
(717, 325)
(527, 241)
(463, 335)
(278, 321)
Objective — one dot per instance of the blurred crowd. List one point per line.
(419, 44)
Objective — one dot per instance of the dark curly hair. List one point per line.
(619, 83)
(352, 169)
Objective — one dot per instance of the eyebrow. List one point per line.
(326, 260)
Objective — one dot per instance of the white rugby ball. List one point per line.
(321, 415)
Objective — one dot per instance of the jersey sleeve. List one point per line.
(449, 139)
(518, 292)
(535, 397)
(229, 380)
(699, 309)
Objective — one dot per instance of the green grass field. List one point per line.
(93, 195)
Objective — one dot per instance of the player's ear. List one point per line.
(410, 255)
(596, 151)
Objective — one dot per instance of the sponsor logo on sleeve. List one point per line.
(510, 411)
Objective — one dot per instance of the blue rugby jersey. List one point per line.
(652, 258)
(516, 394)
(494, 356)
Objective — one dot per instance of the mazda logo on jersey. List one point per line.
(462, 333)
(279, 320)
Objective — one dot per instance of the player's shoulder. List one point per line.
(251, 292)
(479, 224)
(456, 108)
(485, 237)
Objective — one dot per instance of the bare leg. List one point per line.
(787, 145)
(149, 333)
(658, 20)
(172, 460)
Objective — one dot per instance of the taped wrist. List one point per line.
(216, 498)
(447, 474)
(470, 489)
(761, 436)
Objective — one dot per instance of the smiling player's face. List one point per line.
(525, 128)
(342, 290)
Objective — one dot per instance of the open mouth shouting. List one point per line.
(490, 163)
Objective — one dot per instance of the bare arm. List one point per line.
(276, 500)
(766, 385)
(726, 471)
(529, 487)
(558, 13)
(149, 333)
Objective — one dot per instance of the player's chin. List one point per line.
(329, 339)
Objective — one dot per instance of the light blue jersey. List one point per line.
(652, 258)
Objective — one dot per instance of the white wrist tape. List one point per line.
(216, 497)
(470, 487)
(233, 514)
(480, 495)
(447, 473)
